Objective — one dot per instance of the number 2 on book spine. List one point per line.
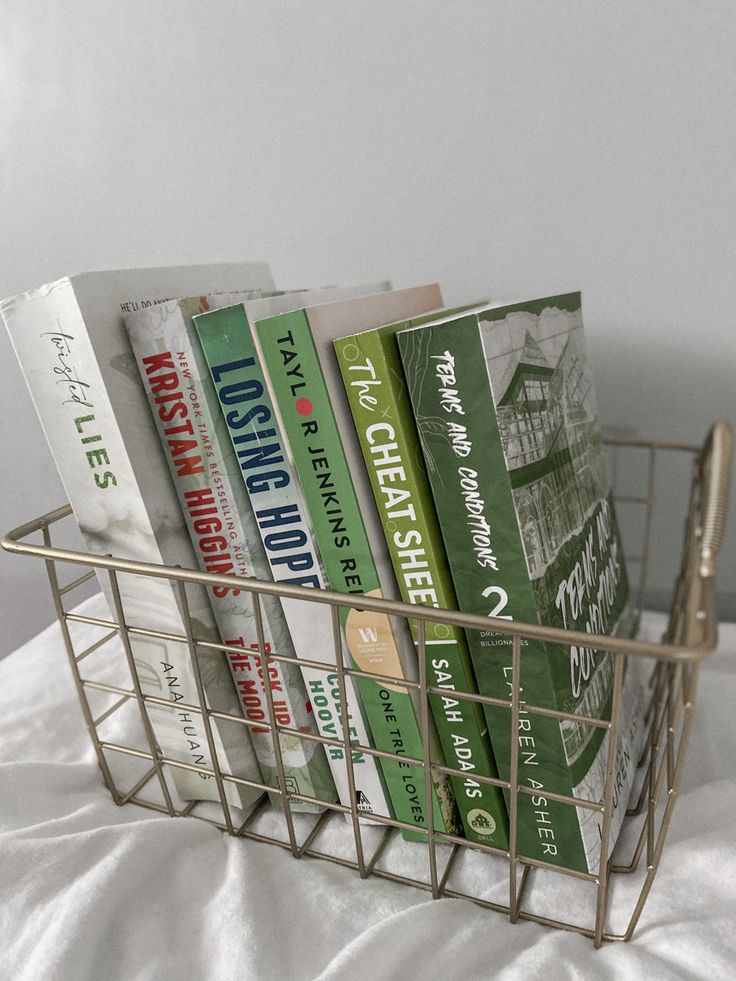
(503, 598)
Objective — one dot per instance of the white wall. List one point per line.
(511, 148)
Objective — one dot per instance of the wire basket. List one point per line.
(690, 636)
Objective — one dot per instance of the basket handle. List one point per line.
(716, 476)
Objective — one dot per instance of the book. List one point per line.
(223, 529)
(288, 538)
(379, 403)
(299, 360)
(72, 346)
(508, 425)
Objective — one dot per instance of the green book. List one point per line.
(306, 386)
(508, 425)
(268, 479)
(379, 402)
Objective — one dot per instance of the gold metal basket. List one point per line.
(690, 636)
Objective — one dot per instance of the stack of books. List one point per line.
(370, 441)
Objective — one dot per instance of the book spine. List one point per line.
(458, 429)
(376, 391)
(222, 529)
(299, 390)
(63, 374)
(268, 478)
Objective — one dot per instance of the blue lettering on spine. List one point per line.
(259, 450)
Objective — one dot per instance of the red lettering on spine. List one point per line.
(164, 385)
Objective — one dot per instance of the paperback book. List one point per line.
(298, 355)
(269, 480)
(506, 415)
(379, 402)
(71, 342)
(226, 541)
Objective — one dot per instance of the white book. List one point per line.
(225, 536)
(72, 346)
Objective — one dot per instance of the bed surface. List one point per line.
(93, 891)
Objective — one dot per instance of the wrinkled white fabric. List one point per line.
(91, 891)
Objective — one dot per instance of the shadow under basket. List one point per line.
(118, 713)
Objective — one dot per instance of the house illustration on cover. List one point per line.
(547, 421)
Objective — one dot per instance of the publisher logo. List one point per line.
(481, 822)
(362, 801)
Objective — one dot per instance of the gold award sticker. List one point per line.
(371, 642)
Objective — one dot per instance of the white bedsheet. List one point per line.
(92, 891)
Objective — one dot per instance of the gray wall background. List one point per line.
(506, 148)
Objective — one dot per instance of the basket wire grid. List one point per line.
(690, 636)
